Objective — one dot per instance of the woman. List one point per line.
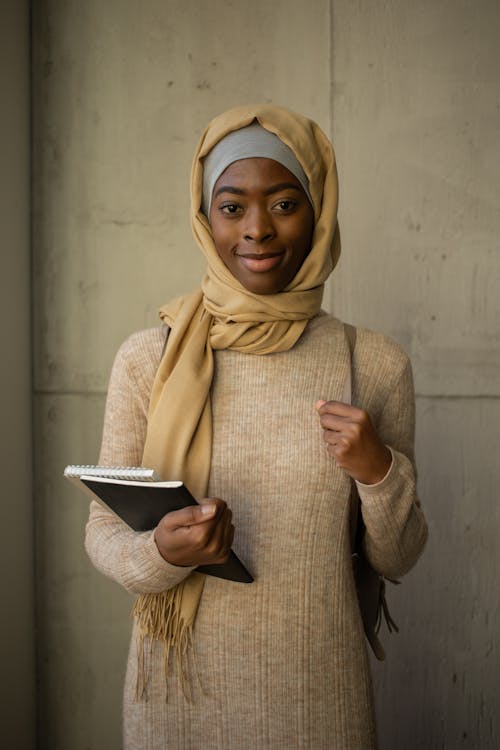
(246, 407)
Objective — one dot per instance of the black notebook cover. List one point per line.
(142, 504)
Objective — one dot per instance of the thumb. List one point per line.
(319, 404)
(207, 506)
(191, 515)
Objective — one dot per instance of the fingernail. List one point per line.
(208, 510)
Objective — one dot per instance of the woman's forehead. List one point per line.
(256, 170)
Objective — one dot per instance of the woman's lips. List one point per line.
(260, 263)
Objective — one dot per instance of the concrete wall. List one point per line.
(17, 623)
(410, 94)
(416, 115)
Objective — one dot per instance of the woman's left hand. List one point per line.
(353, 441)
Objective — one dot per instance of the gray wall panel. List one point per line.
(17, 617)
(83, 617)
(438, 687)
(416, 102)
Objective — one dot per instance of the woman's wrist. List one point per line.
(379, 471)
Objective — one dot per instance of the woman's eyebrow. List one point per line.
(268, 191)
(282, 186)
(228, 189)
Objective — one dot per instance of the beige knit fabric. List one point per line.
(283, 660)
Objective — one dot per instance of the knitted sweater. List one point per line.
(282, 662)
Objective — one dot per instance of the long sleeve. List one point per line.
(396, 530)
(128, 557)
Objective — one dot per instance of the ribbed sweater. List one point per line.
(282, 662)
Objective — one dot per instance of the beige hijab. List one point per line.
(225, 315)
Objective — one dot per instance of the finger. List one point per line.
(228, 536)
(222, 530)
(330, 437)
(228, 542)
(355, 426)
(222, 550)
(340, 446)
(219, 504)
(334, 442)
(339, 453)
(228, 539)
(216, 541)
(333, 422)
(337, 408)
(329, 410)
(348, 437)
(190, 516)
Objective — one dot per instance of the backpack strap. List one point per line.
(356, 529)
(350, 334)
(166, 332)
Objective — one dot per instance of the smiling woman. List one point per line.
(262, 223)
(268, 448)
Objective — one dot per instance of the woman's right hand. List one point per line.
(198, 535)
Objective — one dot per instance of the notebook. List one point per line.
(136, 495)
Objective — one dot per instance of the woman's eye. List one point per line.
(285, 205)
(229, 208)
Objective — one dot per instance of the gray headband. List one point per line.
(247, 143)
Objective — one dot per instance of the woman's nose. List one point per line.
(258, 226)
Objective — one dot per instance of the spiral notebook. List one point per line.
(138, 498)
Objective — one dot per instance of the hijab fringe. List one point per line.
(160, 617)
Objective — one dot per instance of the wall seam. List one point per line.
(32, 367)
(330, 66)
(428, 396)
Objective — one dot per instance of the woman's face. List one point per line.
(262, 223)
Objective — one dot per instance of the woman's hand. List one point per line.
(198, 535)
(353, 441)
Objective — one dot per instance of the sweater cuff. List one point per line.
(153, 568)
